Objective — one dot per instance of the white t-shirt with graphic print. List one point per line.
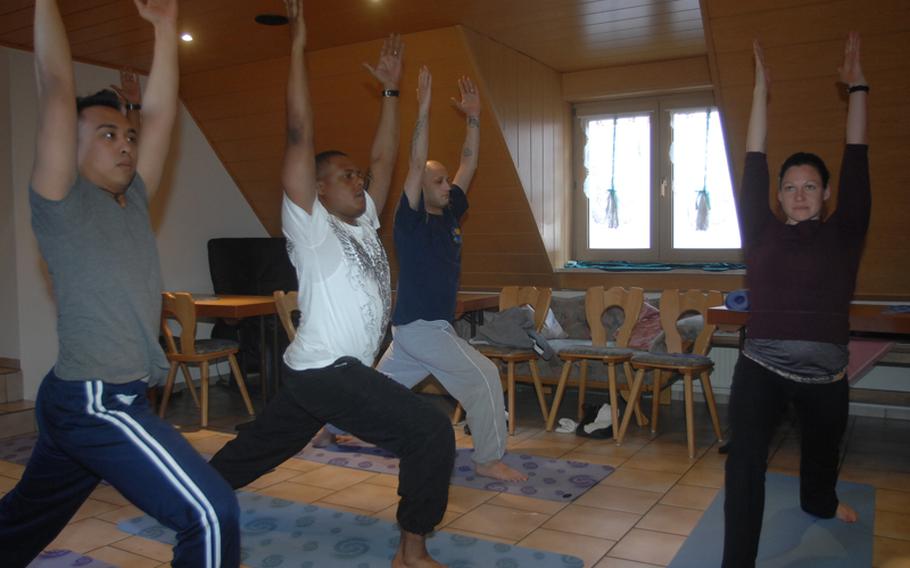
(344, 293)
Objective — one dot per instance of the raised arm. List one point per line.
(420, 139)
(851, 74)
(130, 95)
(54, 169)
(385, 143)
(298, 173)
(160, 109)
(758, 119)
(753, 208)
(470, 107)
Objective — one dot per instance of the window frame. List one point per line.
(659, 107)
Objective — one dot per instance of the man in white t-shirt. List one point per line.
(330, 222)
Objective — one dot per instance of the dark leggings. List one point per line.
(369, 405)
(758, 400)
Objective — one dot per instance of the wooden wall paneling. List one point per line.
(642, 79)
(803, 42)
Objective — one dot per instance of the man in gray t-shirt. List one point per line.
(89, 194)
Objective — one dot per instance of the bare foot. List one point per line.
(323, 438)
(412, 553)
(846, 513)
(498, 470)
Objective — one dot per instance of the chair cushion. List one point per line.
(503, 351)
(677, 359)
(593, 351)
(214, 345)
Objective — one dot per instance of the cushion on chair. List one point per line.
(677, 359)
(604, 351)
(214, 345)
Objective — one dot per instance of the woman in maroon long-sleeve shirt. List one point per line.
(801, 274)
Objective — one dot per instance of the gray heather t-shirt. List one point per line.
(103, 262)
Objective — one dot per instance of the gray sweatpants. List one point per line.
(421, 348)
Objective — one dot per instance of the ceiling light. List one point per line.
(187, 37)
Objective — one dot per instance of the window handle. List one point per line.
(663, 187)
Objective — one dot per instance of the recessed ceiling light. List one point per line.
(187, 37)
(271, 19)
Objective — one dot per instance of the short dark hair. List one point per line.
(104, 97)
(323, 158)
(805, 159)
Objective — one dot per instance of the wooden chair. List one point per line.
(286, 305)
(513, 297)
(180, 306)
(598, 300)
(674, 304)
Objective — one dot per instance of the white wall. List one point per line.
(197, 201)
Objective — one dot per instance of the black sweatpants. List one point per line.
(369, 405)
(758, 400)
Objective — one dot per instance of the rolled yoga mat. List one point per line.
(737, 300)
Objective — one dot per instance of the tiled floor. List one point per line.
(637, 517)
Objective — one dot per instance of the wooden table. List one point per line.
(467, 303)
(227, 306)
(869, 318)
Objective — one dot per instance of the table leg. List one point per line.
(263, 362)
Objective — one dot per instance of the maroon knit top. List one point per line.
(801, 277)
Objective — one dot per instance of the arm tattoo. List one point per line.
(473, 122)
(418, 128)
(467, 153)
(294, 136)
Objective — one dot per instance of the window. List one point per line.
(653, 182)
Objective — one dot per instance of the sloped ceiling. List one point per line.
(565, 35)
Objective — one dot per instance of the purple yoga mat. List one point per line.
(549, 479)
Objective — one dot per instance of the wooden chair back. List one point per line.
(180, 307)
(675, 303)
(598, 300)
(286, 304)
(537, 298)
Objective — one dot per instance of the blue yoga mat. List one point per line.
(66, 559)
(549, 479)
(790, 538)
(276, 532)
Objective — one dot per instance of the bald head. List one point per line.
(435, 187)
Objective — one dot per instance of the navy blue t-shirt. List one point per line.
(429, 259)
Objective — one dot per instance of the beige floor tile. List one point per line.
(656, 481)
(193, 435)
(373, 498)
(545, 448)
(12, 470)
(108, 494)
(713, 458)
(122, 558)
(894, 480)
(648, 546)
(523, 503)
(7, 483)
(619, 499)
(87, 534)
(589, 549)
(93, 508)
(610, 562)
(333, 477)
(672, 464)
(383, 479)
(271, 478)
(211, 444)
(690, 496)
(600, 459)
(674, 520)
(297, 492)
(704, 477)
(608, 448)
(299, 465)
(890, 500)
(121, 513)
(600, 523)
(463, 499)
(892, 525)
(890, 552)
(145, 547)
(509, 524)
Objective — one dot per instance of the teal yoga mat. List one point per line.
(277, 532)
(66, 559)
(790, 538)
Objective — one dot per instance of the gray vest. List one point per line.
(103, 261)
